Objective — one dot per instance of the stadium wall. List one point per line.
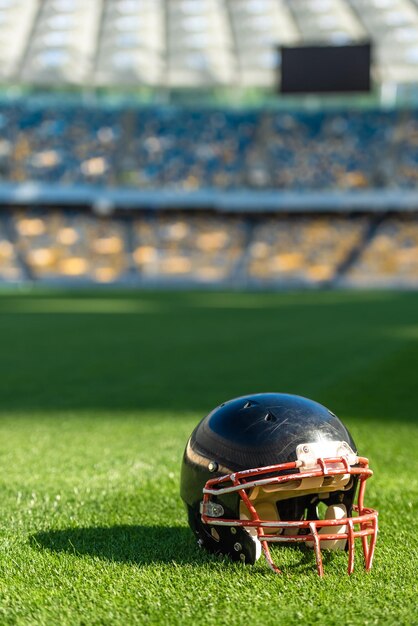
(105, 200)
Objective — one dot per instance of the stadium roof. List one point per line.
(193, 43)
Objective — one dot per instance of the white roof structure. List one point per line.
(193, 43)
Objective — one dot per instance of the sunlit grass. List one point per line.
(95, 413)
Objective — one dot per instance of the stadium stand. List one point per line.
(72, 246)
(195, 149)
(190, 149)
(305, 249)
(391, 258)
(66, 244)
(203, 248)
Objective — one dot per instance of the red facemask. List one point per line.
(332, 469)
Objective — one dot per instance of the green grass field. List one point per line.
(98, 394)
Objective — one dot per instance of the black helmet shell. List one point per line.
(247, 432)
(264, 429)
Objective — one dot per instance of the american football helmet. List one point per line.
(256, 470)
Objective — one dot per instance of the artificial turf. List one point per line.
(98, 394)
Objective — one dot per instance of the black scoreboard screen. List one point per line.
(325, 69)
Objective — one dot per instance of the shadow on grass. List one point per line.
(147, 545)
(140, 545)
(356, 353)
